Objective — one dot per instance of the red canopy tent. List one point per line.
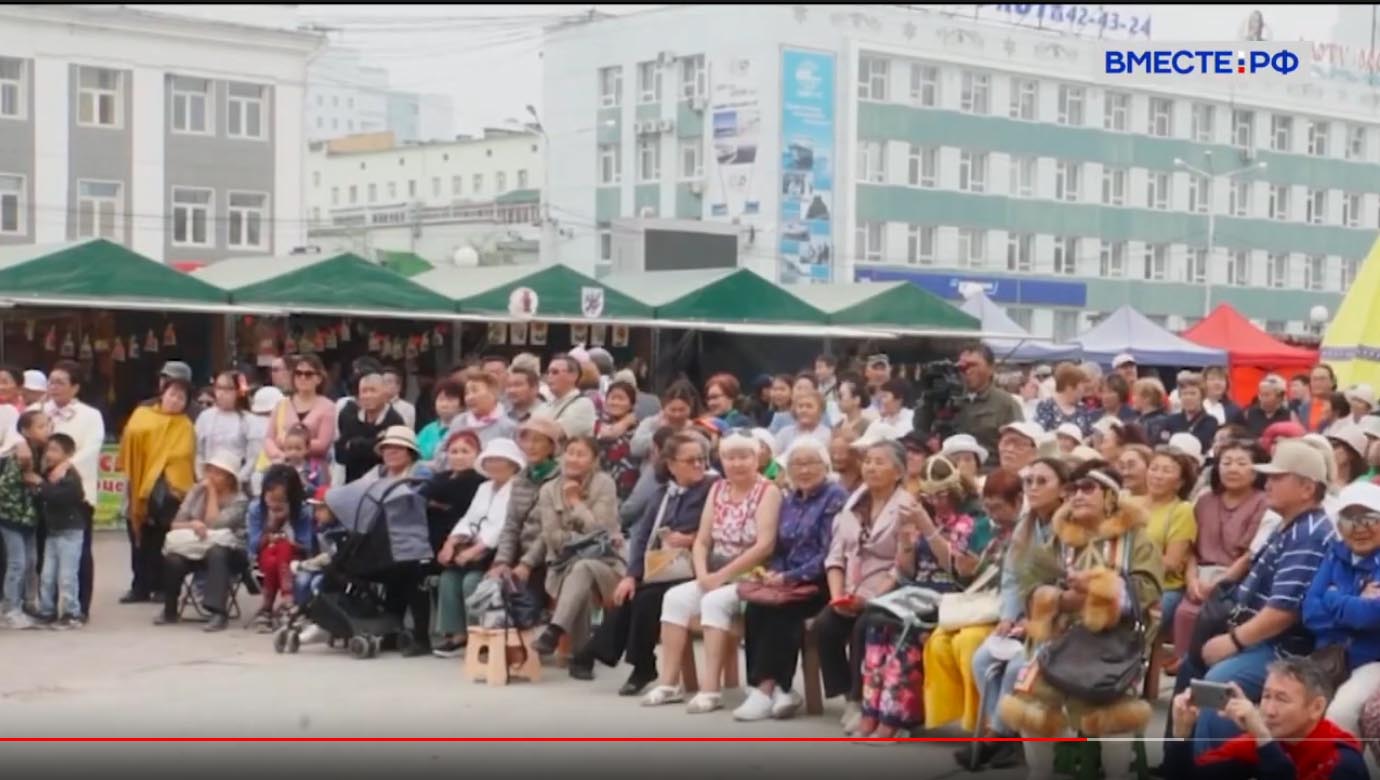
(1251, 352)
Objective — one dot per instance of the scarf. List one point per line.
(540, 472)
(156, 444)
(1314, 757)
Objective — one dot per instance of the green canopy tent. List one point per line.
(407, 264)
(901, 308)
(560, 294)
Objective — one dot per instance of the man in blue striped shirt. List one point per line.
(1270, 597)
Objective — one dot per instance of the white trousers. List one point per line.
(1117, 756)
(1349, 699)
(715, 609)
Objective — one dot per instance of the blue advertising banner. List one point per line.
(808, 166)
(999, 288)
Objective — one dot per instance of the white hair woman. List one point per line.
(737, 532)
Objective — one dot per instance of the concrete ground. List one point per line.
(123, 677)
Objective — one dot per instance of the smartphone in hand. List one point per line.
(1209, 695)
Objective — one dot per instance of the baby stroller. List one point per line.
(383, 523)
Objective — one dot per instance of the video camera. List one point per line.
(940, 387)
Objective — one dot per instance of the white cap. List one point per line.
(1298, 458)
(1350, 434)
(266, 399)
(504, 448)
(1362, 494)
(1370, 425)
(226, 461)
(1361, 393)
(1071, 431)
(1107, 423)
(1123, 359)
(764, 436)
(1029, 430)
(877, 433)
(962, 442)
(1189, 445)
(35, 381)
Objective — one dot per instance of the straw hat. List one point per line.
(503, 449)
(398, 436)
(930, 485)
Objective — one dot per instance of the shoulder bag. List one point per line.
(163, 504)
(764, 595)
(977, 605)
(595, 545)
(661, 563)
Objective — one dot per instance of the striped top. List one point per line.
(1283, 570)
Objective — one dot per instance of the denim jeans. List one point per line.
(305, 584)
(1246, 669)
(19, 557)
(995, 679)
(61, 564)
(1169, 604)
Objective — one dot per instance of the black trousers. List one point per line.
(403, 593)
(146, 557)
(86, 572)
(631, 630)
(840, 641)
(223, 566)
(774, 636)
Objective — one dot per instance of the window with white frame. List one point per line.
(974, 96)
(1023, 170)
(13, 103)
(1315, 207)
(922, 166)
(649, 82)
(500, 185)
(354, 194)
(1066, 255)
(1239, 269)
(1243, 128)
(870, 236)
(192, 216)
(1071, 100)
(247, 214)
(1020, 252)
(522, 178)
(457, 185)
(924, 84)
(1239, 199)
(1356, 142)
(1068, 180)
(1156, 262)
(873, 74)
(1199, 193)
(1157, 190)
(691, 159)
(1114, 186)
(1203, 122)
(1277, 271)
(972, 247)
(477, 184)
(1112, 263)
(694, 79)
(1314, 272)
(1279, 201)
(1065, 325)
(1350, 266)
(920, 244)
(1023, 316)
(1351, 209)
(99, 97)
(316, 180)
(1116, 111)
(972, 171)
(1317, 138)
(1161, 117)
(191, 99)
(435, 186)
(335, 196)
(244, 111)
(606, 245)
(611, 86)
(610, 164)
(12, 204)
(1025, 98)
(100, 205)
(649, 159)
(1195, 270)
(1281, 132)
(872, 161)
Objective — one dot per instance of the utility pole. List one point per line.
(549, 251)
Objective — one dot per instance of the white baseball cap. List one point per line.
(266, 399)
(1123, 359)
(877, 433)
(1349, 434)
(1189, 445)
(1298, 458)
(1108, 423)
(1029, 430)
(1071, 431)
(1362, 494)
(35, 381)
(962, 442)
(1362, 393)
(1370, 425)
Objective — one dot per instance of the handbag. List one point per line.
(977, 605)
(1332, 661)
(1098, 667)
(162, 504)
(594, 545)
(664, 564)
(764, 595)
(1216, 617)
(184, 542)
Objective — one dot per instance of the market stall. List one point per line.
(1127, 330)
(1251, 352)
(1023, 348)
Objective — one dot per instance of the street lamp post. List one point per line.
(1212, 218)
(549, 251)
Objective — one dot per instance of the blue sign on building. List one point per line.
(1001, 289)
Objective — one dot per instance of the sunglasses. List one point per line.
(1086, 487)
(1367, 520)
(306, 374)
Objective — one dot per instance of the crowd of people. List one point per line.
(1068, 509)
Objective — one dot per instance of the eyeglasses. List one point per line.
(1366, 520)
(1086, 486)
(1037, 481)
(308, 374)
(693, 460)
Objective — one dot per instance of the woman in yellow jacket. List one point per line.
(158, 456)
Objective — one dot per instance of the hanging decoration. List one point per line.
(374, 343)
(318, 341)
(151, 343)
(101, 346)
(411, 351)
(169, 336)
(69, 346)
(426, 340)
(440, 338)
(305, 344)
(345, 332)
(117, 353)
(331, 340)
(29, 326)
(85, 353)
(133, 347)
(50, 340)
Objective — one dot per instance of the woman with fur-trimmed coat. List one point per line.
(1074, 579)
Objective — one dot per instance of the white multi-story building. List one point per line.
(180, 138)
(432, 199)
(346, 96)
(917, 145)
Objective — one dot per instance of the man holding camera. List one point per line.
(983, 409)
(1285, 737)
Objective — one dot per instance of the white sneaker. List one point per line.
(758, 706)
(705, 702)
(784, 704)
(663, 694)
(18, 621)
(852, 714)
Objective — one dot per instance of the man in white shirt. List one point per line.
(891, 404)
(568, 406)
(87, 429)
(392, 386)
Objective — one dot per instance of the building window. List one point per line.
(1315, 208)
(11, 204)
(1157, 191)
(477, 184)
(248, 212)
(457, 183)
(1317, 138)
(1199, 193)
(610, 86)
(606, 246)
(374, 192)
(923, 166)
(1203, 122)
(1156, 262)
(924, 85)
(1279, 202)
(973, 98)
(1112, 263)
(1071, 105)
(99, 205)
(1196, 270)
(316, 215)
(1022, 316)
(872, 78)
(192, 216)
(1020, 252)
(244, 115)
(99, 97)
(1281, 132)
(1065, 325)
(1243, 128)
(522, 179)
(1239, 204)
(335, 196)
(190, 98)
(1068, 180)
(649, 82)
(1114, 186)
(1314, 272)
(972, 247)
(649, 159)
(1277, 271)
(869, 240)
(920, 244)
(316, 180)
(610, 164)
(1239, 269)
(12, 102)
(1351, 210)
(500, 184)
(1023, 177)
(1350, 265)
(691, 159)
(1066, 256)
(1356, 142)
(872, 161)
(694, 80)
(354, 194)
(1161, 117)
(1025, 98)
(972, 171)
(1116, 111)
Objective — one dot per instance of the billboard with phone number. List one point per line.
(808, 166)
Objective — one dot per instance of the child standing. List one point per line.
(62, 499)
(296, 445)
(19, 518)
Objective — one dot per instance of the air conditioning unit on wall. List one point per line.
(666, 125)
(697, 103)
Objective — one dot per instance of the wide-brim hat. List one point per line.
(1361, 393)
(266, 399)
(227, 462)
(1351, 435)
(963, 442)
(545, 426)
(506, 449)
(398, 436)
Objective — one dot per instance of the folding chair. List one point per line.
(192, 594)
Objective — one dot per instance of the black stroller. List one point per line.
(383, 524)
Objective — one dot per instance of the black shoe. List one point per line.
(449, 649)
(1005, 755)
(973, 757)
(636, 683)
(581, 671)
(164, 619)
(218, 622)
(546, 643)
(135, 597)
(416, 649)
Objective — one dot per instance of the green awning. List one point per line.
(342, 285)
(407, 264)
(518, 196)
(560, 291)
(891, 306)
(96, 272)
(723, 296)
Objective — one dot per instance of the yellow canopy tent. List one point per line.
(1352, 343)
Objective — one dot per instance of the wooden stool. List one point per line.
(494, 669)
(689, 675)
(812, 679)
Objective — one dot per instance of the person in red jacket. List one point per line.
(1286, 737)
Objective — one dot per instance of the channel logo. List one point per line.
(1204, 62)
